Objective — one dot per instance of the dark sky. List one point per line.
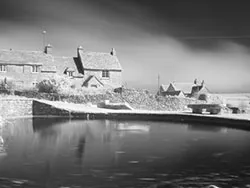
(179, 39)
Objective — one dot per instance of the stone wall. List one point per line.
(44, 109)
(23, 77)
(19, 107)
(138, 99)
(14, 107)
(116, 77)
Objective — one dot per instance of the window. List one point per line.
(34, 83)
(105, 74)
(2, 68)
(34, 68)
(69, 73)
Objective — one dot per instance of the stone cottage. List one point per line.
(183, 89)
(99, 69)
(87, 69)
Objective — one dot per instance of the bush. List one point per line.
(47, 86)
(7, 85)
(56, 84)
(215, 99)
(203, 97)
(243, 105)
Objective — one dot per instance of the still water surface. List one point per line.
(78, 153)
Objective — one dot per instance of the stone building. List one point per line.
(105, 68)
(27, 68)
(183, 89)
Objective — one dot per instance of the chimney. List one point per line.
(48, 49)
(79, 49)
(113, 52)
(202, 83)
(195, 81)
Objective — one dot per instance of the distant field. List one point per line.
(235, 95)
(237, 99)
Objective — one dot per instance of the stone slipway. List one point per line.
(79, 111)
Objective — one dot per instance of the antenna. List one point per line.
(158, 81)
(44, 38)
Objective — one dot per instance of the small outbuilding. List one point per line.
(183, 89)
(92, 82)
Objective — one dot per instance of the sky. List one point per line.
(179, 40)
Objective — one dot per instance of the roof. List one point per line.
(48, 68)
(24, 57)
(63, 63)
(184, 87)
(164, 87)
(205, 89)
(174, 93)
(90, 78)
(49, 63)
(98, 60)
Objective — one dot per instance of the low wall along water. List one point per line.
(19, 107)
(16, 107)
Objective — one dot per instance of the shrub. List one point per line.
(203, 97)
(243, 105)
(215, 99)
(7, 85)
(47, 86)
(56, 84)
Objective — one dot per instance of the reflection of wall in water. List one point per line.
(42, 123)
(1, 145)
(206, 128)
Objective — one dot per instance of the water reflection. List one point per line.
(2, 148)
(81, 147)
(59, 152)
(2, 142)
(206, 128)
(133, 128)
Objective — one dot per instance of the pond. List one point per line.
(101, 153)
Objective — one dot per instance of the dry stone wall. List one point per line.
(43, 109)
(138, 99)
(13, 107)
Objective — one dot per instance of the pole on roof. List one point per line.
(44, 38)
(158, 82)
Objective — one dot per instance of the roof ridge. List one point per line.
(99, 60)
(96, 52)
(13, 50)
(182, 82)
(62, 56)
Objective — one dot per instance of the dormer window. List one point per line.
(70, 73)
(2, 68)
(34, 68)
(105, 74)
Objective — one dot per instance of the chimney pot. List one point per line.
(48, 49)
(113, 52)
(195, 81)
(202, 83)
(80, 48)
